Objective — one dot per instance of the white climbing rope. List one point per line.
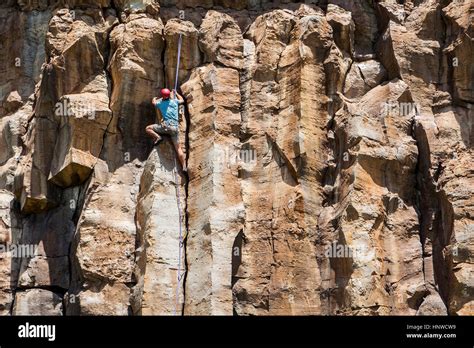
(180, 41)
(181, 241)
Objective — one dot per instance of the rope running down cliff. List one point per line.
(181, 243)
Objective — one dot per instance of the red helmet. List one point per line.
(165, 93)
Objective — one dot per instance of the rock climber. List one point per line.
(167, 112)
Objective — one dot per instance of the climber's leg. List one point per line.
(151, 131)
(155, 130)
(180, 153)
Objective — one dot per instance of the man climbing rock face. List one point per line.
(167, 112)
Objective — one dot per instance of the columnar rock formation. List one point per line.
(329, 146)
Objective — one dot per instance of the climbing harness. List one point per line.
(181, 239)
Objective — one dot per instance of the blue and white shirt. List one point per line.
(169, 109)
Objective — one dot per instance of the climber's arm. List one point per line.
(178, 96)
(155, 101)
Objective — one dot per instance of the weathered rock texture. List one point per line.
(329, 146)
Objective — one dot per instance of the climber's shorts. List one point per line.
(165, 129)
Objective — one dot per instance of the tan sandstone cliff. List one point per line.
(329, 145)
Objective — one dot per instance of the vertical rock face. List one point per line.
(214, 205)
(160, 219)
(10, 232)
(102, 274)
(329, 151)
(443, 130)
(281, 191)
(373, 213)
